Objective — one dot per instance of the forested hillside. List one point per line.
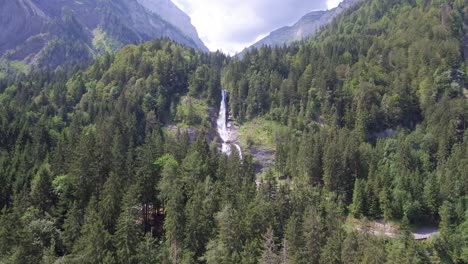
(373, 115)
(376, 104)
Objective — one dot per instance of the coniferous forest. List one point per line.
(374, 113)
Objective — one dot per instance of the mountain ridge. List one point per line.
(304, 28)
(168, 11)
(39, 33)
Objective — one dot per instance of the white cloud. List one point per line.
(231, 25)
(333, 3)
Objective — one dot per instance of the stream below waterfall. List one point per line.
(224, 127)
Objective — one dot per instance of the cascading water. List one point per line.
(222, 124)
(223, 129)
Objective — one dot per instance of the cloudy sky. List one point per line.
(231, 25)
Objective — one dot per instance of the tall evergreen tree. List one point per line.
(128, 232)
(94, 243)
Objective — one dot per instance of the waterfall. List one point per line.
(223, 127)
(239, 150)
(222, 124)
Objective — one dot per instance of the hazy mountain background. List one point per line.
(306, 27)
(55, 32)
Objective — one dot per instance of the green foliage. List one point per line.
(41, 187)
(93, 245)
(260, 132)
(367, 119)
(128, 232)
(147, 251)
(103, 43)
(192, 112)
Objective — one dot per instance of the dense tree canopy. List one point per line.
(375, 109)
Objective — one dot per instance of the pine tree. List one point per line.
(357, 207)
(225, 248)
(331, 251)
(199, 219)
(284, 257)
(72, 226)
(119, 166)
(128, 232)
(85, 167)
(217, 253)
(446, 215)
(350, 252)
(295, 238)
(147, 174)
(41, 188)
(269, 255)
(148, 251)
(109, 205)
(8, 225)
(173, 202)
(313, 235)
(94, 243)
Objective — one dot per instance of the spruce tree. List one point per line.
(128, 232)
(357, 207)
(269, 255)
(94, 242)
(41, 188)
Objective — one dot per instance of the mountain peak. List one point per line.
(35, 32)
(306, 27)
(168, 11)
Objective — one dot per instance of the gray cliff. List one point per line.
(51, 33)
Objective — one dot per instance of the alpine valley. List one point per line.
(128, 142)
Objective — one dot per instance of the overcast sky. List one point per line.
(231, 25)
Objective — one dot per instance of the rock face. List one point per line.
(172, 14)
(306, 27)
(56, 32)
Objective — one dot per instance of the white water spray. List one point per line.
(223, 129)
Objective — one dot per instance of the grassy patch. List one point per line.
(192, 112)
(20, 66)
(260, 133)
(102, 42)
(271, 174)
(11, 68)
